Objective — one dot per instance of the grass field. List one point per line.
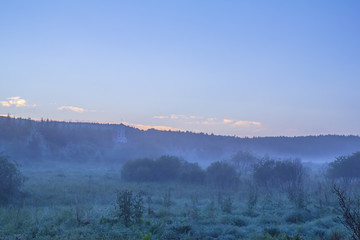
(76, 203)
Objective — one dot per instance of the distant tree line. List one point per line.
(172, 168)
(26, 139)
(220, 174)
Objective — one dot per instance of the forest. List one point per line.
(28, 140)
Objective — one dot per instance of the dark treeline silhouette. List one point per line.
(285, 174)
(345, 167)
(163, 169)
(166, 168)
(26, 139)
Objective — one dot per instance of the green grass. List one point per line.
(58, 199)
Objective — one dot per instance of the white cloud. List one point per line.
(15, 101)
(72, 108)
(160, 117)
(210, 121)
(228, 121)
(178, 117)
(175, 116)
(185, 117)
(247, 123)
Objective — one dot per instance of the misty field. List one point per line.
(76, 203)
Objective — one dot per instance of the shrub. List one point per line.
(272, 231)
(287, 175)
(130, 207)
(227, 205)
(181, 229)
(210, 210)
(289, 171)
(346, 167)
(282, 237)
(191, 173)
(252, 199)
(222, 175)
(264, 171)
(269, 171)
(350, 214)
(11, 180)
(140, 170)
(238, 222)
(165, 168)
(243, 162)
(298, 217)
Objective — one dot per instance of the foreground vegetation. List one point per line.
(65, 202)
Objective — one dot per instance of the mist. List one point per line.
(73, 179)
(172, 120)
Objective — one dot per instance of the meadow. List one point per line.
(80, 202)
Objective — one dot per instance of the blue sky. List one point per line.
(245, 68)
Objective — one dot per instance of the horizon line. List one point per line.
(170, 129)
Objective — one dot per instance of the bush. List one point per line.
(350, 214)
(270, 172)
(227, 205)
(166, 168)
(243, 162)
(222, 175)
(191, 173)
(264, 172)
(298, 217)
(11, 180)
(130, 207)
(140, 170)
(347, 167)
(287, 175)
(282, 237)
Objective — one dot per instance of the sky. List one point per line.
(243, 68)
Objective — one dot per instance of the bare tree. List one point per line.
(350, 214)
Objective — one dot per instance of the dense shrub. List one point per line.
(270, 172)
(140, 170)
(11, 180)
(264, 171)
(191, 173)
(222, 175)
(129, 207)
(227, 205)
(346, 167)
(286, 175)
(165, 168)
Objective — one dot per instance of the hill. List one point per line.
(27, 140)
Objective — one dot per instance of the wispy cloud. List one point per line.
(184, 117)
(72, 108)
(15, 102)
(160, 117)
(178, 117)
(210, 121)
(228, 121)
(247, 123)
